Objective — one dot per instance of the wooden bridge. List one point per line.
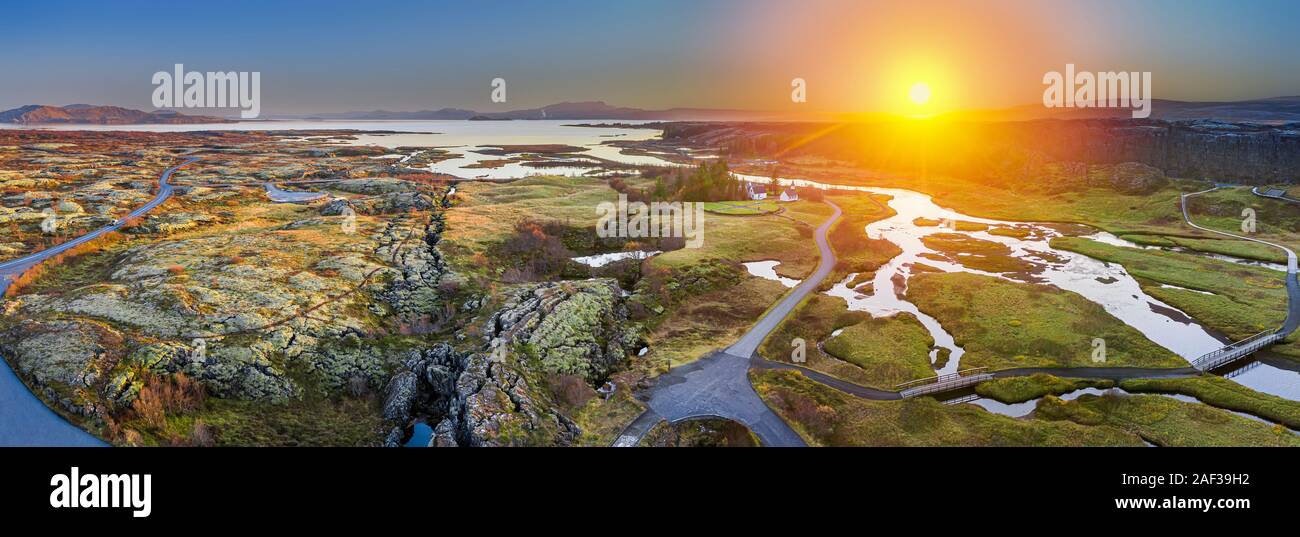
(943, 383)
(1235, 351)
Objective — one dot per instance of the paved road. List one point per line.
(752, 339)
(24, 419)
(718, 385)
(18, 266)
(1292, 284)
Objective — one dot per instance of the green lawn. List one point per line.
(976, 254)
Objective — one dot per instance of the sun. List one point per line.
(920, 93)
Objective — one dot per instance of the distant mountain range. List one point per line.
(86, 114)
(1273, 110)
(565, 110)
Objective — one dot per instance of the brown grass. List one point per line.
(163, 395)
(30, 276)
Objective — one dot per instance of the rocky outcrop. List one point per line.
(495, 396)
(235, 312)
(413, 289)
(478, 402)
(392, 203)
(573, 327)
(372, 186)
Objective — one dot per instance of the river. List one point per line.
(26, 420)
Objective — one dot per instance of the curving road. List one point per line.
(24, 419)
(718, 385)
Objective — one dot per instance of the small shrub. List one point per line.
(202, 435)
(570, 390)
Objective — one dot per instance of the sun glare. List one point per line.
(920, 93)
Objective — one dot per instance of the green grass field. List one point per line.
(826, 417)
(1003, 324)
(743, 208)
(1166, 422)
(889, 351)
(1013, 390)
(1224, 393)
(1246, 299)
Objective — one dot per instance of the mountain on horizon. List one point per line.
(88, 114)
(1270, 110)
(1273, 110)
(564, 110)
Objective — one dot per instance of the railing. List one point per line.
(1242, 370)
(943, 383)
(963, 399)
(1233, 351)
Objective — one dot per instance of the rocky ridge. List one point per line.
(494, 396)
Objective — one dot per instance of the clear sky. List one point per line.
(856, 55)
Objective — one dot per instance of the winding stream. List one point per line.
(1018, 410)
(1106, 284)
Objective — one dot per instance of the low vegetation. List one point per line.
(705, 432)
(1004, 324)
(1011, 390)
(1244, 301)
(1223, 393)
(1165, 421)
(888, 350)
(824, 416)
(977, 254)
(854, 251)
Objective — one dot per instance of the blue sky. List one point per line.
(332, 56)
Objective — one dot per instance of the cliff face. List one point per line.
(1200, 149)
(1235, 152)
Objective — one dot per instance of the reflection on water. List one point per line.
(767, 271)
(1019, 410)
(1105, 284)
(1111, 239)
(421, 435)
(279, 195)
(459, 136)
(600, 260)
(1268, 373)
(26, 421)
